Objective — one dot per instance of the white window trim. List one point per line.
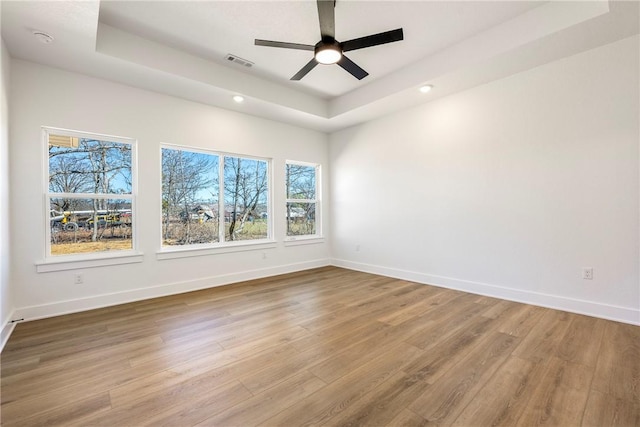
(208, 249)
(307, 238)
(94, 259)
(311, 239)
(89, 261)
(221, 246)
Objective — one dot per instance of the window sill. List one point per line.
(203, 250)
(303, 240)
(75, 263)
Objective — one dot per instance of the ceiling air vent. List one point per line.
(238, 60)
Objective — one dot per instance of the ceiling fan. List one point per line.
(330, 51)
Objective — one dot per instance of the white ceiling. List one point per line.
(213, 29)
(178, 48)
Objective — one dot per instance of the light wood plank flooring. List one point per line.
(328, 347)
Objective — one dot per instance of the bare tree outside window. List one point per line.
(301, 190)
(90, 195)
(198, 209)
(189, 197)
(245, 198)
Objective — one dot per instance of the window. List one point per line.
(189, 197)
(89, 196)
(211, 198)
(245, 198)
(303, 213)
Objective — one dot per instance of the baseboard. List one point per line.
(605, 311)
(6, 331)
(106, 300)
(589, 308)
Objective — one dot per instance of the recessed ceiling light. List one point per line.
(43, 37)
(238, 98)
(426, 88)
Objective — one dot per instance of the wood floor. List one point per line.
(328, 347)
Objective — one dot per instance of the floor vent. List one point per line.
(238, 60)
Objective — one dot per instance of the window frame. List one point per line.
(222, 245)
(317, 201)
(92, 259)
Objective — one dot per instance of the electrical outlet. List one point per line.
(78, 279)
(357, 248)
(587, 273)
(264, 255)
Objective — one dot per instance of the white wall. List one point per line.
(6, 305)
(508, 189)
(51, 97)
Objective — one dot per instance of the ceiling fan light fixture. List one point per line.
(426, 88)
(328, 54)
(238, 98)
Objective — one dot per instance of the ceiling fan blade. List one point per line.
(327, 17)
(373, 40)
(352, 68)
(304, 70)
(271, 43)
